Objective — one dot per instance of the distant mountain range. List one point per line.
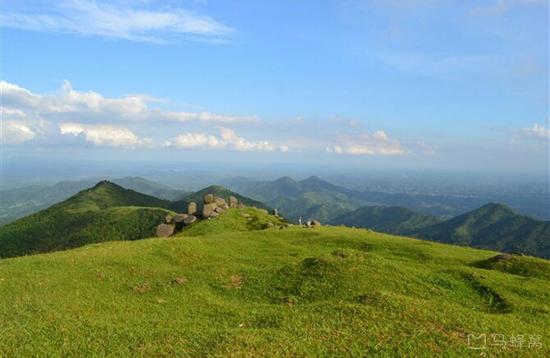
(493, 226)
(109, 212)
(311, 198)
(319, 199)
(388, 219)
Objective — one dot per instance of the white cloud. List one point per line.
(104, 135)
(228, 139)
(377, 144)
(109, 19)
(14, 132)
(537, 131)
(73, 106)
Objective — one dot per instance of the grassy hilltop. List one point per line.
(224, 287)
(104, 212)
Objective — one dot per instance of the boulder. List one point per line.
(233, 202)
(168, 219)
(208, 210)
(190, 219)
(165, 230)
(220, 202)
(503, 257)
(179, 218)
(191, 208)
(315, 223)
(209, 199)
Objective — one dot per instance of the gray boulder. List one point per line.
(190, 219)
(179, 218)
(209, 199)
(165, 230)
(220, 203)
(233, 202)
(192, 208)
(208, 210)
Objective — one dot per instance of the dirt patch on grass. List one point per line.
(235, 281)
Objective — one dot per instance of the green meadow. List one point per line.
(229, 287)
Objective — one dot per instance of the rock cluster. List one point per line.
(211, 208)
(214, 205)
(313, 223)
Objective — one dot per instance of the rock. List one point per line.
(190, 219)
(208, 210)
(165, 230)
(192, 208)
(233, 202)
(268, 225)
(219, 209)
(209, 199)
(503, 257)
(168, 219)
(179, 218)
(315, 223)
(220, 202)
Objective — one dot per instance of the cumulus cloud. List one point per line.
(148, 22)
(14, 132)
(104, 135)
(70, 105)
(227, 139)
(537, 131)
(376, 144)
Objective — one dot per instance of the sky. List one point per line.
(415, 84)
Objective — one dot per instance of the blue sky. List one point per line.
(432, 84)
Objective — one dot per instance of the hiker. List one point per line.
(300, 220)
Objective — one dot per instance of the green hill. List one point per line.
(26, 200)
(389, 219)
(102, 213)
(224, 290)
(493, 226)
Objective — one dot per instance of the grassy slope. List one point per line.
(289, 292)
(104, 212)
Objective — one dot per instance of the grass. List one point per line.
(221, 290)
